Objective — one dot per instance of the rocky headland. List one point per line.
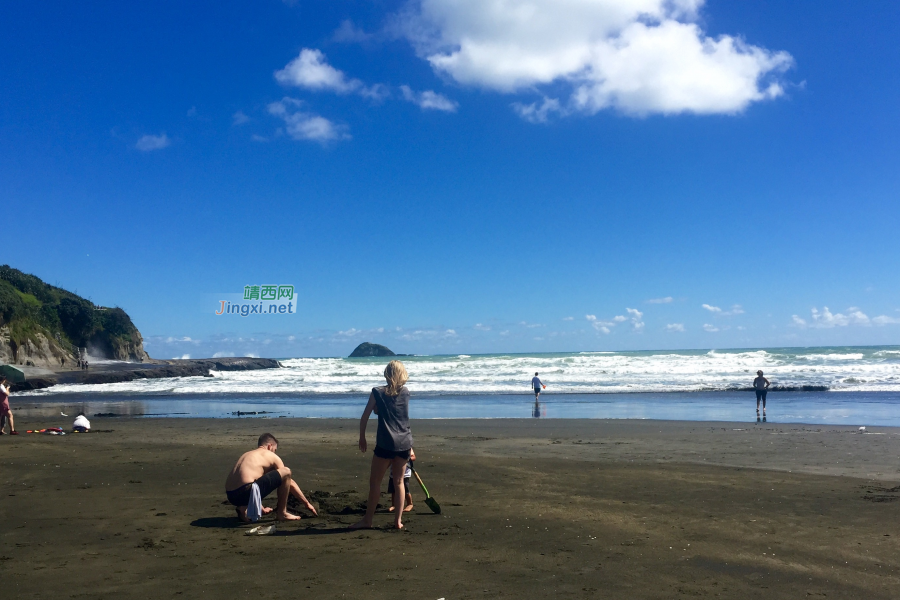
(45, 331)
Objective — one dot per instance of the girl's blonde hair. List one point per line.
(396, 376)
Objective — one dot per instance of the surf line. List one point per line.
(245, 310)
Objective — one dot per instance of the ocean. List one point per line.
(839, 385)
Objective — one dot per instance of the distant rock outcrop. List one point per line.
(369, 349)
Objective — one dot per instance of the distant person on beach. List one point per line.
(257, 474)
(5, 412)
(537, 385)
(393, 442)
(392, 490)
(761, 385)
(81, 424)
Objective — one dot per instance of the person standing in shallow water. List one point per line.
(761, 385)
(393, 441)
(537, 384)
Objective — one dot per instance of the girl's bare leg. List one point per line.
(379, 467)
(399, 466)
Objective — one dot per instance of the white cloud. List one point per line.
(239, 118)
(886, 320)
(349, 332)
(736, 309)
(222, 354)
(259, 138)
(636, 318)
(481, 327)
(311, 71)
(666, 300)
(636, 56)
(534, 113)
(568, 318)
(825, 319)
(603, 326)
(710, 328)
(675, 327)
(152, 142)
(302, 125)
(349, 33)
(429, 100)
(430, 334)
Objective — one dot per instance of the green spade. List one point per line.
(431, 502)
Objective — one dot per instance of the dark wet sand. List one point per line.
(532, 509)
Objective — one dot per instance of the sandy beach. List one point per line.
(531, 509)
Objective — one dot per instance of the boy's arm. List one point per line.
(275, 461)
(364, 420)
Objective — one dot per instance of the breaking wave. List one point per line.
(832, 369)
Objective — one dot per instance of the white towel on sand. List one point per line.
(254, 508)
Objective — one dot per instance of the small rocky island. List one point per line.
(368, 349)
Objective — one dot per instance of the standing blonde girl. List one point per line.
(392, 443)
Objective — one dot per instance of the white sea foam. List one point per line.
(837, 369)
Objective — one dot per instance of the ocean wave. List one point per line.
(564, 373)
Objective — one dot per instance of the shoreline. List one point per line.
(881, 409)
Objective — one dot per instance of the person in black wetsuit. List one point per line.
(761, 386)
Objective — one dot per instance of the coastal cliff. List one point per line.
(45, 326)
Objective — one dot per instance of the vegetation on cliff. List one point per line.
(37, 314)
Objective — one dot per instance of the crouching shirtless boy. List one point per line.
(264, 468)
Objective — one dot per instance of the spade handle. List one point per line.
(419, 479)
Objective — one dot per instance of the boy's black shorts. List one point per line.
(405, 484)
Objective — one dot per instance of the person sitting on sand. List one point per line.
(5, 411)
(81, 424)
(761, 385)
(265, 470)
(393, 441)
(392, 490)
(537, 384)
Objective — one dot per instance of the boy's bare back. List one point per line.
(251, 466)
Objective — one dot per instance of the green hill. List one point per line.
(45, 325)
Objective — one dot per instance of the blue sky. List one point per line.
(461, 176)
